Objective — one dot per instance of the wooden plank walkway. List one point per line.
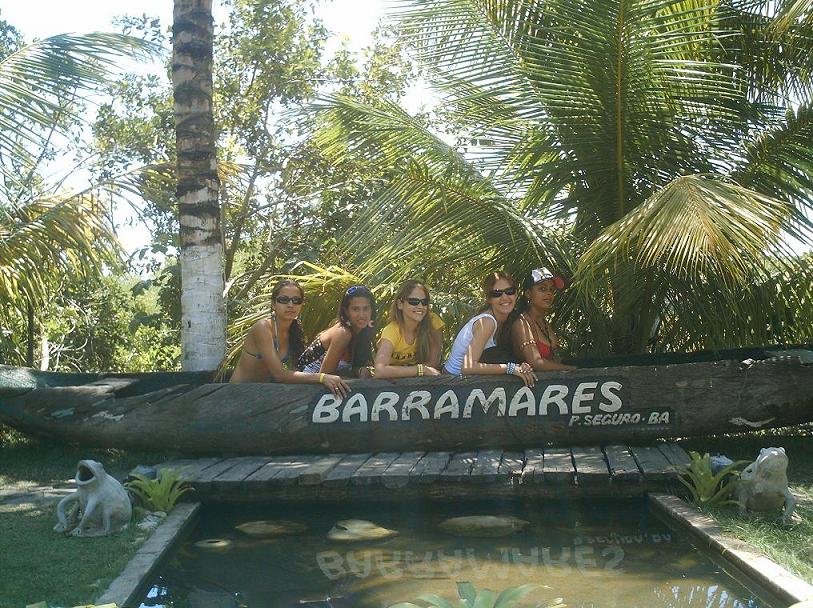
(609, 471)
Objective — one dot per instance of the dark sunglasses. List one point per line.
(416, 301)
(497, 293)
(357, 288)
(293, 300)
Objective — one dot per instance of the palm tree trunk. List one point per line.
(29, 347)
(203, 311)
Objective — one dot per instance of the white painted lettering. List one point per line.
(615, 402)
(385, 402)
(616, 555)
(498, 395)
(573, 420)
(554, 394)
(326, 409)
(416, 400)
(448, 404)
(581, 395)
(331, 563)
(635, 418)
(653, 418)
(356, 405)
(523, 399)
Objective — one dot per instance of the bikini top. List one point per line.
(545, 350)
(259, 356)
(311, 358)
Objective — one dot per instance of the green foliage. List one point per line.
(708, 488)
(161, 493)
(470, 597)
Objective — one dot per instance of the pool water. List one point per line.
(602, 554)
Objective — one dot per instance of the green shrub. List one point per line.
(706, 487)
(161, 493)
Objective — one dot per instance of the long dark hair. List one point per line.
(361, 346)
(296, 337)
(503, 339)
(423, 340)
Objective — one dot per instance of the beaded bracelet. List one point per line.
(420, 369)
(510, 368)
(321, 378)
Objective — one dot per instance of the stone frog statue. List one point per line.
(763, 486)
(99, 507)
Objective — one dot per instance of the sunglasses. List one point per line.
(293, 300)
(417, 301)
(497, 293)
(357, 288)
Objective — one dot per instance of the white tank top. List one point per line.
(454, 364)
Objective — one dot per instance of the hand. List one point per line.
(430, 371)
(526, 372)
(336, 385)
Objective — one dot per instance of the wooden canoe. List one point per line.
(656, 397)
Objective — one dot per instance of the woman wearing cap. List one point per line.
(533, 336)
(410, 345)
(482, 332)
(273, 343)
(346, 346)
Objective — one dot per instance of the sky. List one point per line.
(43, 18)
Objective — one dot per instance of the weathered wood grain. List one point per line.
(534, 469)
(315, 472)
(340, 474)
(558, 466)
(398, 473)
(511, 465)
(445, 413)
(653, 463)
(675, 454)
(622, 465)
(430, 467)
(373, 468)
(459, 467)
(590, 465)
(486, 466)
(232, 478)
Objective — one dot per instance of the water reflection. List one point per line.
(608, 555)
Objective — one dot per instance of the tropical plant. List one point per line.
(470, 597)
(706, 487)
(161, 493)
(659, 151)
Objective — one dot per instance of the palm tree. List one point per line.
(44, 231)
(660, 151)
(203, 331)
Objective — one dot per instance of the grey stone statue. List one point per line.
(763, 486)
(99, 507)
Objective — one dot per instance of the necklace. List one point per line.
(544, 332)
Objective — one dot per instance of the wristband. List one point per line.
(420, 369)
(510, 368)
(321, 378)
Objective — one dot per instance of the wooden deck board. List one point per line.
(591, 467)
(398, 473)
(675, 454)
(558, 466)
(653, 463)
(614, 470)
(622, 465)
(373, 468)
(486, 466)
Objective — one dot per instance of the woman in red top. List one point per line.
(532, 335)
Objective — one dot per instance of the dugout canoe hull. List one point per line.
(589, 406)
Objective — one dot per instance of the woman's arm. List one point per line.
(383, 369)
(263, 337)
(435, 347)
(481, 331)
(526, 350)
(339, 338)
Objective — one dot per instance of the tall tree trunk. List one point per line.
(29, 346)
(203, 311)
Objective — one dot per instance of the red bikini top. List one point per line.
(545, 350)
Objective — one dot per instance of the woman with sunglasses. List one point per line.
(346, 346)
(483, 332)
(410, 345)
(273, 343)
(532, 334)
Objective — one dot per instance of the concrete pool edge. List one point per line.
(757, 567)
(128, 586)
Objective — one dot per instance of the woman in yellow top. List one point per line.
(411, 344)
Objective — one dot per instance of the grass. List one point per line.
(786, 545)
(39, 564)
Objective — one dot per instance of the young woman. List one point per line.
(273, 343)
(411, 343)
(533, 336)
(481, 332)
(346, 346)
